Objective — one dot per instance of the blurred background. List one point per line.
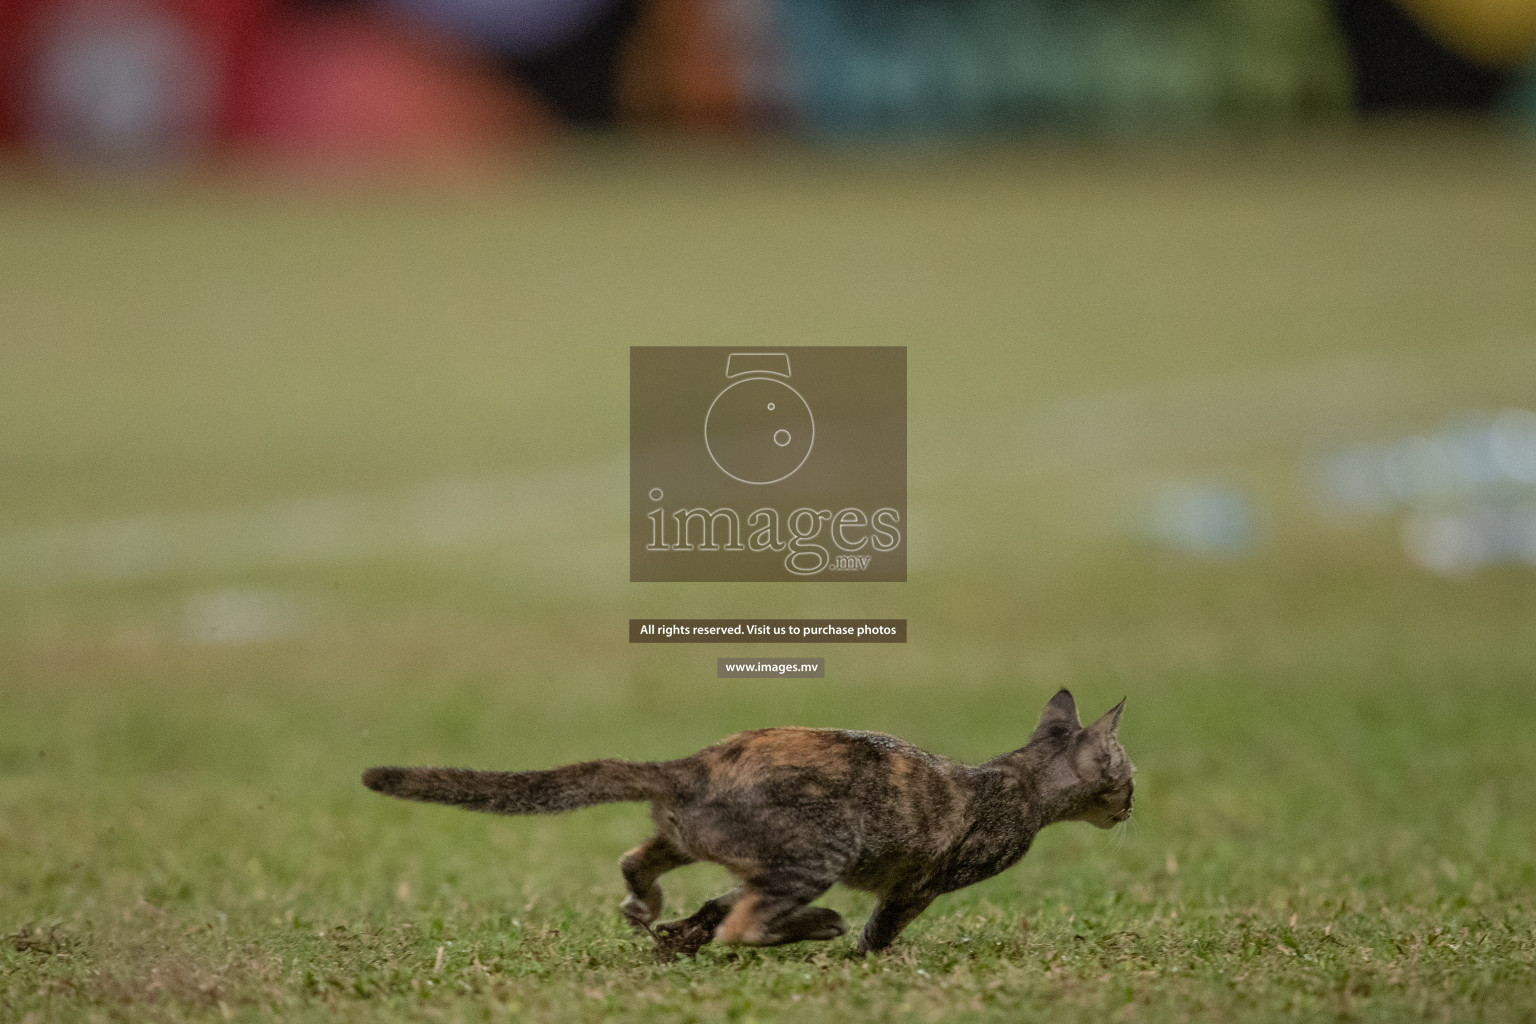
(136, 84)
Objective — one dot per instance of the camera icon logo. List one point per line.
(759, 430)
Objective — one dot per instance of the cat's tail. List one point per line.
(537, 792)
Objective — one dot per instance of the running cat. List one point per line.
(792, 811)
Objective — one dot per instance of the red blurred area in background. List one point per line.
(338, 90)
(149, 82)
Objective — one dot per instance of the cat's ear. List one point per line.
(1110, 722)
(1060, 714)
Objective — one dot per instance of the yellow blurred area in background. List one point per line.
(1497, 32)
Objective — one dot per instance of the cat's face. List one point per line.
(1108, 777)
(1093, 766)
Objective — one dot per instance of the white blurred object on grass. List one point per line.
(1454, 543)
(1209, 518)
(1473, 456)
(242, 616)
(1467, 490)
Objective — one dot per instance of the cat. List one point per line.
(792, 811)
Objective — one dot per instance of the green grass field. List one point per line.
(240, 430)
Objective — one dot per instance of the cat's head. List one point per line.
(1088, 766)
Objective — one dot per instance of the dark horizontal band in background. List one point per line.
(767, 631)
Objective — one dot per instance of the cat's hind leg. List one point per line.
(809, 924)
(691, 934)
(774, 909)
(641, 867)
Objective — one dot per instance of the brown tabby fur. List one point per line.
(790, 812)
